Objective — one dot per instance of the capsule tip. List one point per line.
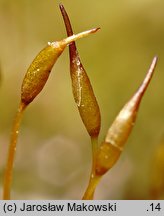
(156, 57)
(61, 5)
(154, 62)
(90, 31)
(95, 30)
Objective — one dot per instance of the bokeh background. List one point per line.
(53, 156)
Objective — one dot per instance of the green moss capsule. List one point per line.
(110, 150)
(38, 72)
(81, 86)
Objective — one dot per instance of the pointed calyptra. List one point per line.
(110, 150)
(39, 70)
(81, 86)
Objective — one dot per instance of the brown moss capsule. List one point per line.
(81, 86)
(38, 72)
(119, 131)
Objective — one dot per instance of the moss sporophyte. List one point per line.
(83, 93)
(34, 81)
(105, 155)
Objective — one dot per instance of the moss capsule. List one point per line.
(119, 131)
(81, 86)
(38, 72)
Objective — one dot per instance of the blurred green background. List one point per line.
(53, 156)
